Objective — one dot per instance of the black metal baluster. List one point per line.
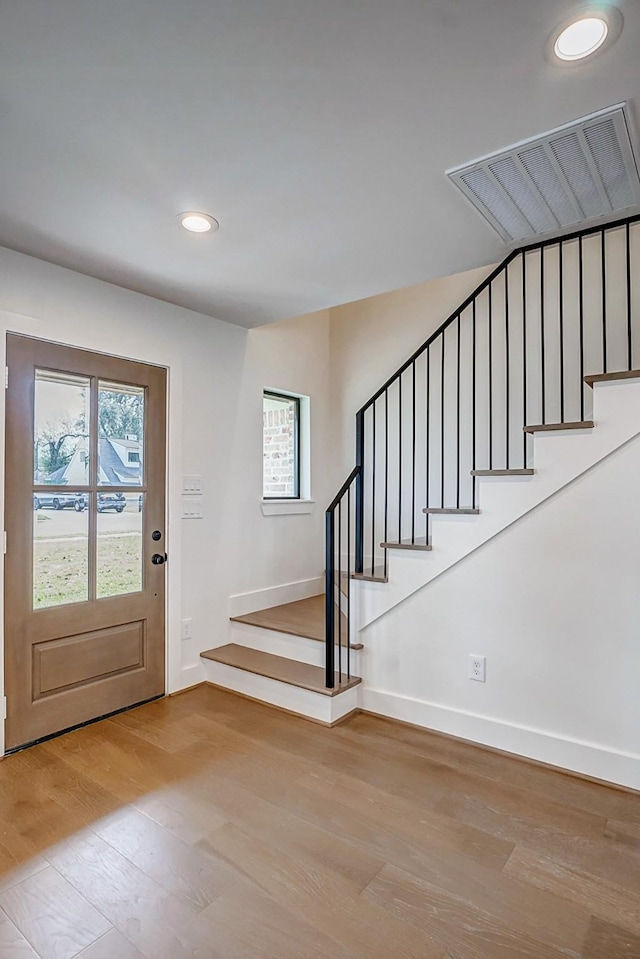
(386, 474)
(348, 584)
(561, 323)
(524, 358)
(506, 332)
(628, 265)
(473, 402)
(581, 302)
(413, 454)
(603, 267)
(427, 442)
(400, 458)
(360, 492)
(458, 420)
(373, 491)
(542, 372)
(444, 337)
(339, 591)
(329, 560)
(490, 376)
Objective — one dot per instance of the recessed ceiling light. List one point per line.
(581, 38)
(588, 30)
(198, 222)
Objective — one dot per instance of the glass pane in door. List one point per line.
(60, 548)
(120, 434)
(119, 563)
(61, 429)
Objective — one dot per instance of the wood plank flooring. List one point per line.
(210, 826)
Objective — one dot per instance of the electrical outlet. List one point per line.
(186, 629)
(477, 667)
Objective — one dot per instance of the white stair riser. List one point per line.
(324, 709)
(300, 648)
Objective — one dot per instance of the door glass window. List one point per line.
(60, 548)
(119, 542)
(61, 429)
(87, 544)
(120, 435)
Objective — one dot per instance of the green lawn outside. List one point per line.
(60, 572)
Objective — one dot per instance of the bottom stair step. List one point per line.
(284, 670)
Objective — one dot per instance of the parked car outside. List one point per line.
(59, 501)
(79, 501)
(116, 501)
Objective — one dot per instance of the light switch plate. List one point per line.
(191, 485)
(191, 507)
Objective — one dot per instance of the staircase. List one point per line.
(524, 388)
(278, 657)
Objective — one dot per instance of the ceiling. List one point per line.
(317, 132)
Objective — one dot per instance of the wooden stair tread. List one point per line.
(280, 668)
(549, 427)
(304, 617)
(420, 544)
(377, 575)
(608, 377)
(446, 510)
(525, 472)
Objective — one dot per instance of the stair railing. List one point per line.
(341, 533)
(513, 355)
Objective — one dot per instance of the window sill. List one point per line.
(286, 507)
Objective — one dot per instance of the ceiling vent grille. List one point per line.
(582, 172)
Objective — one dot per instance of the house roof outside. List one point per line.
(113, 470)
(317, 133)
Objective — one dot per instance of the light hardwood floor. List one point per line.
(210, 826)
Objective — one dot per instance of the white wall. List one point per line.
(216, 375)
(371, 338)
(286, 549)
(554, 605)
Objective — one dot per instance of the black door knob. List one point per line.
(158, 559)
(156, 535)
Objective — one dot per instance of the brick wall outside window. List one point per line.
(279, 455)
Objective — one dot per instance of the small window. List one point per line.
(133, 457)
(280, 446)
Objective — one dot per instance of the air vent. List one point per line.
(582, 172)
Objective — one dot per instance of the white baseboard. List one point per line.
(581, 757)
(323, 709)
(189, 676)
(242, 603)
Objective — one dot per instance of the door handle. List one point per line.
(158, 559)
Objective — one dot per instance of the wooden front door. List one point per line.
(85, 536)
